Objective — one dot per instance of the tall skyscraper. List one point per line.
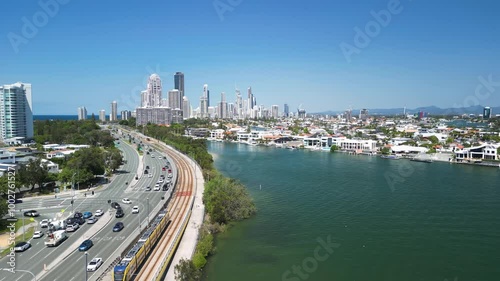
(175, 99)
(179, 83)
(286, 110)
(102, 115)
(250, 100)
(144, 98)
(238, 105)
(487, 113)
(204, 102)
(363, 114)
(125, 114)
(274, 111)
(114, 112)
(16, 111)
(154, 91)
(223, 106)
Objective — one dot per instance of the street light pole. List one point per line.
(23, 230)
(85, 267)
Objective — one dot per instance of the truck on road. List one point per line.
(55, 238)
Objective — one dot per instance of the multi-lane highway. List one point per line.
(107, 244)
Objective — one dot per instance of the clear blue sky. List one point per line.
(93, 52)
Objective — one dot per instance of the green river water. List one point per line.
(324, 216)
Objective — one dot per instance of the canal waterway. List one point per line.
(324, 216)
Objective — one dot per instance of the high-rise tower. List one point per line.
(179, 83)
(154, 91)
(16, 111)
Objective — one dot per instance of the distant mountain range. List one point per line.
(433, 110)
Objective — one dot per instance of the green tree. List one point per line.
(334, 148)
(185, 270)
(385, 150)
(113, 159)
(433, 139)
(34, 173)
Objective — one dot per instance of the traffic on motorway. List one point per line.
(56, 234)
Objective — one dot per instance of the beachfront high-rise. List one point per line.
(16, 111)
(102, 115)
(153, 92)
(286, 110)
(114, 112)
(175, 99)
(82, 113)
(179, 83)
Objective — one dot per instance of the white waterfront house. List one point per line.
(217, 134)
(359, 145)
(482, 152)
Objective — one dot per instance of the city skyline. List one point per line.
(409, 62)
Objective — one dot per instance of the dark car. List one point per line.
(31, 213)
(87, 244)
(165, 187)
(119, 213)
(17, 201)
(115, 205)
(145, 172)
(147, 167)
(78, 215)
(70, 221)
(80, 221)
(118, 227)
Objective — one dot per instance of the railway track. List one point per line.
(154, 266)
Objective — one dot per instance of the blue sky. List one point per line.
(93, 52)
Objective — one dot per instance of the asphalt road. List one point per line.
(107, 244)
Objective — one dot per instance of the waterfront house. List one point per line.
(481, 152)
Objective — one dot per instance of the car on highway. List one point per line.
(92, 220)
(31, 213)
(145, 172)
(72, 227)
(170, 175)
(147, 167)
(118, 226)
(79, 221)
(160, 180)
(87, 244)
(152, 155)
(157, 187)
(126, 201)
(78, 215)
(37, 234)
(119, 213)
(148, 188)
(44, 223)
(115, 205)
(163, 169)
(98, 213)
(159, 157)
(135, 210)
(21, 246)
(150, 175)
(87, 215)
(94, 264)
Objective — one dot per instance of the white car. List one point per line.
(157, 187)
(160, 180)
(94, 264)
(159, 157)
(152, 156)
(126, 201)
(44, 223)
(98, 213)
(135, 210)
(37, 234)
(150, 175)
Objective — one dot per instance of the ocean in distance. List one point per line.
(388, 220)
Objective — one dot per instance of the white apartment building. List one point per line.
(16, 111)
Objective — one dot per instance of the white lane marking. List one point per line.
(20, 277)
(72, 279)
(3, 279)
(37, 253)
